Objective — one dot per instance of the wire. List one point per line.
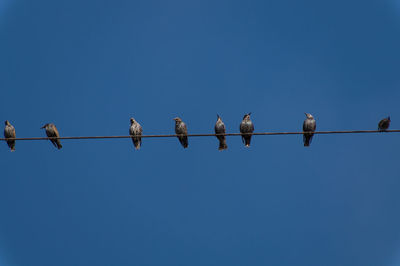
(214, 135)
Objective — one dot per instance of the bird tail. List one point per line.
(54, 143)
(247, 141)
(307, 139)
(137, 142)
(58, 144)
(11, 145)
(184, 141)
(222, 145)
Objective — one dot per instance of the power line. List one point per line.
(212, 135)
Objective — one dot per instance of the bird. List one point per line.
(9, 132)
(246, 128)
(384, 124)
(52, 132)
(309, 127)
(136, 132)
(181, 131)
(220, 129)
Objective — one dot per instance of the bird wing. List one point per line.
(305, 125)
(314, 125)
(55, 132)
(222, 128)
(381, 123)
(241, 127)
(184, 127)
(13, 135)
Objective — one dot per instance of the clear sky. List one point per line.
(88, 66)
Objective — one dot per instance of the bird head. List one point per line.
(177, 119)
(45, 125)
(309, 116)
(218, 117)
(247, 116)
(132, 120)
(6, 123)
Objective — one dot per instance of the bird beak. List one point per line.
(42, 127)
(249, 113)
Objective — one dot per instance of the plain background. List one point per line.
(88, 66)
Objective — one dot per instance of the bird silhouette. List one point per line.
(246, 128)
(220, 129)
(309, 126)
(52, 132)
(384, 124)
(9, 132)
(181, 131)
(136, 132)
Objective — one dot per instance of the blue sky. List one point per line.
(88, 66)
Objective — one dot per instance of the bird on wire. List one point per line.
(246, 132)
(9, 132)
(384, 124)
(136, 132)
(52, 132)
(220, 129)
(246, 128)
(181, 131)
(309, 127)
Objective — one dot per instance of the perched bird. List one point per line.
(181, 130)
(136, 132)
(309, 127)
(246, 127)
(51, 131)
(9, 132)
(384, 124)
(220, 129)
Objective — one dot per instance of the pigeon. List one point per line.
(309, 125)
(384, 124)
(220, 129)
(136, 132)
(52, 132)
(246, 128)
(9, 132)
(181, 131)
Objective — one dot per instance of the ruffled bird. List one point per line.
(220, 129)
(9, 132)
(246, 128)
(52, 132)
(309, 127)
(181, 131)
(384, 124)
(136, 132)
